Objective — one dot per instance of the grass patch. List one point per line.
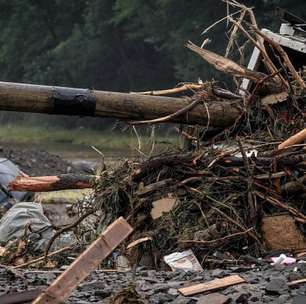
(110, 140)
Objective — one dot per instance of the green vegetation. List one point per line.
(87, 137)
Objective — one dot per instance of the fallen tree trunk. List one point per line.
(84, 102)
(52, 183)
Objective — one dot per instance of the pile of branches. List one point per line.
(221, 195)
(233, 176)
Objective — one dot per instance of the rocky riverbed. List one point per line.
(266, 284)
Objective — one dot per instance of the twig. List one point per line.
(298, 215)
(138, 138)
(233, 33)
(219, 21)
(152, 137)
(182, 88)
(67, 228)
(263, 51)
(42, 258)
(234, 235)
(237, 224)
(168, 117)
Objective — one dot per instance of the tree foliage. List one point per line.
(115, 45)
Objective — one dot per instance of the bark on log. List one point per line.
(52, 183)
(85, 102)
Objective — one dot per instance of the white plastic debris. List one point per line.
(249, 152)
(283, 260)
(184, 260)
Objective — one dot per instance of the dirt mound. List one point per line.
(36, 162)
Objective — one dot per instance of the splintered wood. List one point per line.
(88, 261)
(293, 140)
(212, 285)
(52, 183)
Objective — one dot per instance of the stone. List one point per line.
(173, 292)
(243, 298)
(103, 293)
(160, 298)
(282, 299)
(300, 299)
(213, 298)
(276, 286)
(183, 300)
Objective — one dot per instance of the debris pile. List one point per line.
(222, 193)
(235, 195)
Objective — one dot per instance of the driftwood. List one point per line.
(125, 106)
(52, 183)
(225, 65)
(88, 261)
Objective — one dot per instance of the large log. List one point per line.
(84, 102)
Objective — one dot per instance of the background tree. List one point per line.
(114, 45)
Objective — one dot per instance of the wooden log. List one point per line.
(52, 183)
(89, 260)
(125, 106)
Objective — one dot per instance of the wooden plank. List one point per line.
(212, 285)
(88, 261)
(296, 43)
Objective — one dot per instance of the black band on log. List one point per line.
(80, 102)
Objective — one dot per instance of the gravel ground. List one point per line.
(267, 284)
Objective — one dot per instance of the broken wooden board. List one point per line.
(161, 206)
(281, 233)
(212, 285)
(88, 261)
